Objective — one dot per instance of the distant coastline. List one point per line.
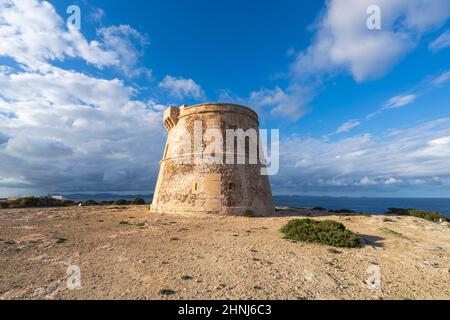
(360, 204)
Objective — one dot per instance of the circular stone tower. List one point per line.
(209, 166)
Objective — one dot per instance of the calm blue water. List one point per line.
(371, 205)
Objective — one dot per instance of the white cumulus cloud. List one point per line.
(343, 41)
(441, 42)
(181, 88)
(65, 130)
(347, 126)
(400, 101)
(419, 153)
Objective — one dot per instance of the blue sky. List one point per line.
(361, 112)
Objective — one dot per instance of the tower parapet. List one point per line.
(171, 117)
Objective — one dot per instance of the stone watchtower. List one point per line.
(192, 181)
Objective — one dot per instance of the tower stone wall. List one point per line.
(189, 183)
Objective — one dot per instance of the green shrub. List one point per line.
(3, 205)
(249, 214)
(106, 203)
(166, 292)
(319, 209)
(433, 216)
(326, 232)
(398, 211)
(343, 211)
(122, 202)
(90, 203)
(138, 201)
(29, 202)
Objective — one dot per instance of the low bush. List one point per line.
(30, 202)
(343, 211)
(138, 201)
(433, 216)
(122, 202)
(326, 232)
(319, 209)
(90, 203)
(249, 214)
(166, 292)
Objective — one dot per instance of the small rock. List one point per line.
(51, 288)
(431, 264)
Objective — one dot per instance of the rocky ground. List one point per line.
(129, 253)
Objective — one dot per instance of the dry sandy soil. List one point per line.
(208, 257)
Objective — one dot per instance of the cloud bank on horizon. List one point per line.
(83, 113)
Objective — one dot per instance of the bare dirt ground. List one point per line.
(209, 257)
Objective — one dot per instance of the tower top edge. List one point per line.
(218, 106)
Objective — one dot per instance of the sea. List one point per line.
(365, 204)
(360, 204)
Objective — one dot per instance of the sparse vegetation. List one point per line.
(221, 286)
(433, 216)
(122, 202)
(90, 203)
(125, 222)
(60, 240)
(343, 211)
(334, 251)
(31, 202)
(138, 201)
(166, 292)
(319, 209)
(174, 239)
(388, 220)
(249, 214)
(393, 232)
(186, 277)
(326, 232)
